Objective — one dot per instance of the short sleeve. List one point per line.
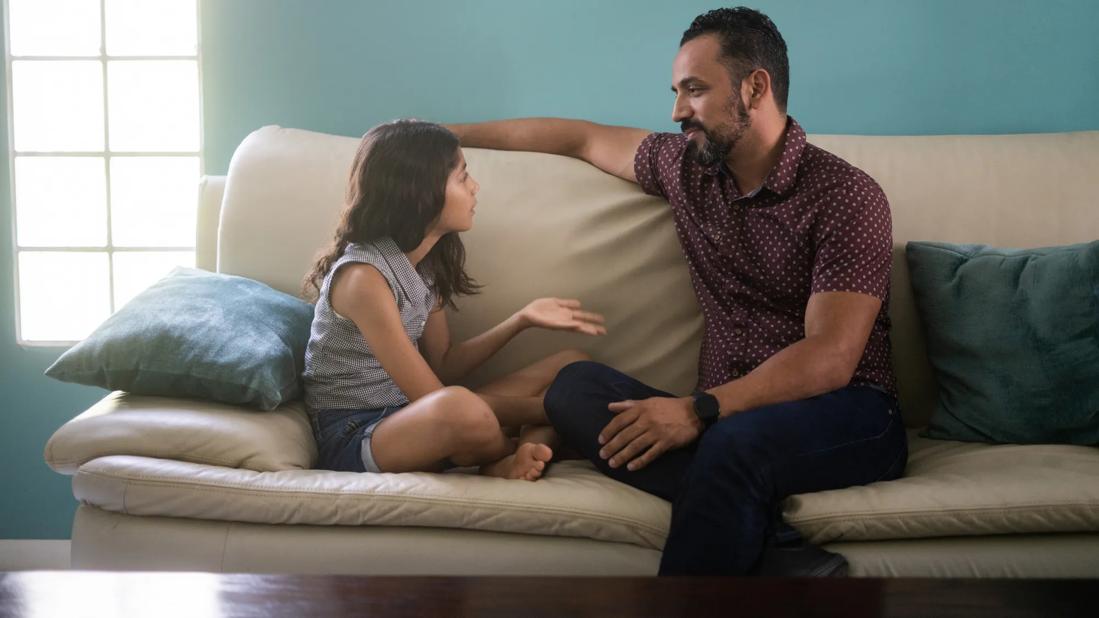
(657, 160)
(854, 250)
(372, 257)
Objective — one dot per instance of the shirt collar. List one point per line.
(408, 278)
(784, 173)
(782, 176)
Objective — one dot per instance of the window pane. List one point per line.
(136, 270)
(54, 27)
(61, 201)
(57, 105)
(154, 201)
(62, 296)
(151, 28)
(153, 105)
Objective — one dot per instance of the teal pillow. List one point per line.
(1013, 338)
(198, 334)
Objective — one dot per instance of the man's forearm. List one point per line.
(552, 135)
(609, 148)
(810, 367)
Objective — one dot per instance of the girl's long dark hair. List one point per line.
(397, 189)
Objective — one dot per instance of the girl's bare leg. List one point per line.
(516, 399)
(453, 424)
(533, 380)
(515, 410)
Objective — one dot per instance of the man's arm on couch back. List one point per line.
(609, 148)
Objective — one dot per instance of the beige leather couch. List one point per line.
(192, 485)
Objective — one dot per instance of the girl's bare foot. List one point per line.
(528, 462)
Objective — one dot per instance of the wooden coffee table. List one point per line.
(85, 593)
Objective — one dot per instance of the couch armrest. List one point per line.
(188, 430)
(210, 191)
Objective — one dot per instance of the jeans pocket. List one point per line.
(347, 433)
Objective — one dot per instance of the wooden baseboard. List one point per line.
(33, 555)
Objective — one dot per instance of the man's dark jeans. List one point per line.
(726, 488)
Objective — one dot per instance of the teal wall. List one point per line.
(857, 66)
(35, 502)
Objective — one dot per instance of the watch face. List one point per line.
(706, 406)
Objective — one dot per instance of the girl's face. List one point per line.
(461, 199)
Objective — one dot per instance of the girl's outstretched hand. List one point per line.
(562, 314)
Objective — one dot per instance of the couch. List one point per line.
(168, 483)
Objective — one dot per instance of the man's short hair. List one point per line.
(749, 41)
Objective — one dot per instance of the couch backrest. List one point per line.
(549, 225)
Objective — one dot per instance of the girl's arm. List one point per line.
(452, 362)
(361, 293)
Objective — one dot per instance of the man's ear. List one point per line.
(758, 84)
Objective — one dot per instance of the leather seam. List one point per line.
(1034, 506)
(224, 546)
(209, 461)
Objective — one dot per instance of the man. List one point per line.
(789, 250)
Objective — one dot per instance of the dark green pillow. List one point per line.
(198, 334)
(1013, 337)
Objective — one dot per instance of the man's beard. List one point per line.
(720, 141)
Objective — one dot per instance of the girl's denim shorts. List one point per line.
(343, 438)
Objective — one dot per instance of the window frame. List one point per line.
(106, 154)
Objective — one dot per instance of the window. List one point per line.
(105, 149)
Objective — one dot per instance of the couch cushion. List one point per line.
(950, 489)
(185, 458)
(198, 334)
(188, 430)
(573, 499)
(960, 489)
(1013, 335)
(106, 541)
(1016, 556)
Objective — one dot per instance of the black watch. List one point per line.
(706, 408)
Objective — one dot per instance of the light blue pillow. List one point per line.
(198, 334)
(1013, 338)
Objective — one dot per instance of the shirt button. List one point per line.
(738, 331)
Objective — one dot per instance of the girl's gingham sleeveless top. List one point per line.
(341, 372)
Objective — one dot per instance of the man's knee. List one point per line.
(573, 378)
(583, 370)
(564, 358)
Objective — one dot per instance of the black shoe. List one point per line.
(799, 560)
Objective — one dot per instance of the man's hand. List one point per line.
(643, 430)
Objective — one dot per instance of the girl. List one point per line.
(380, 353)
